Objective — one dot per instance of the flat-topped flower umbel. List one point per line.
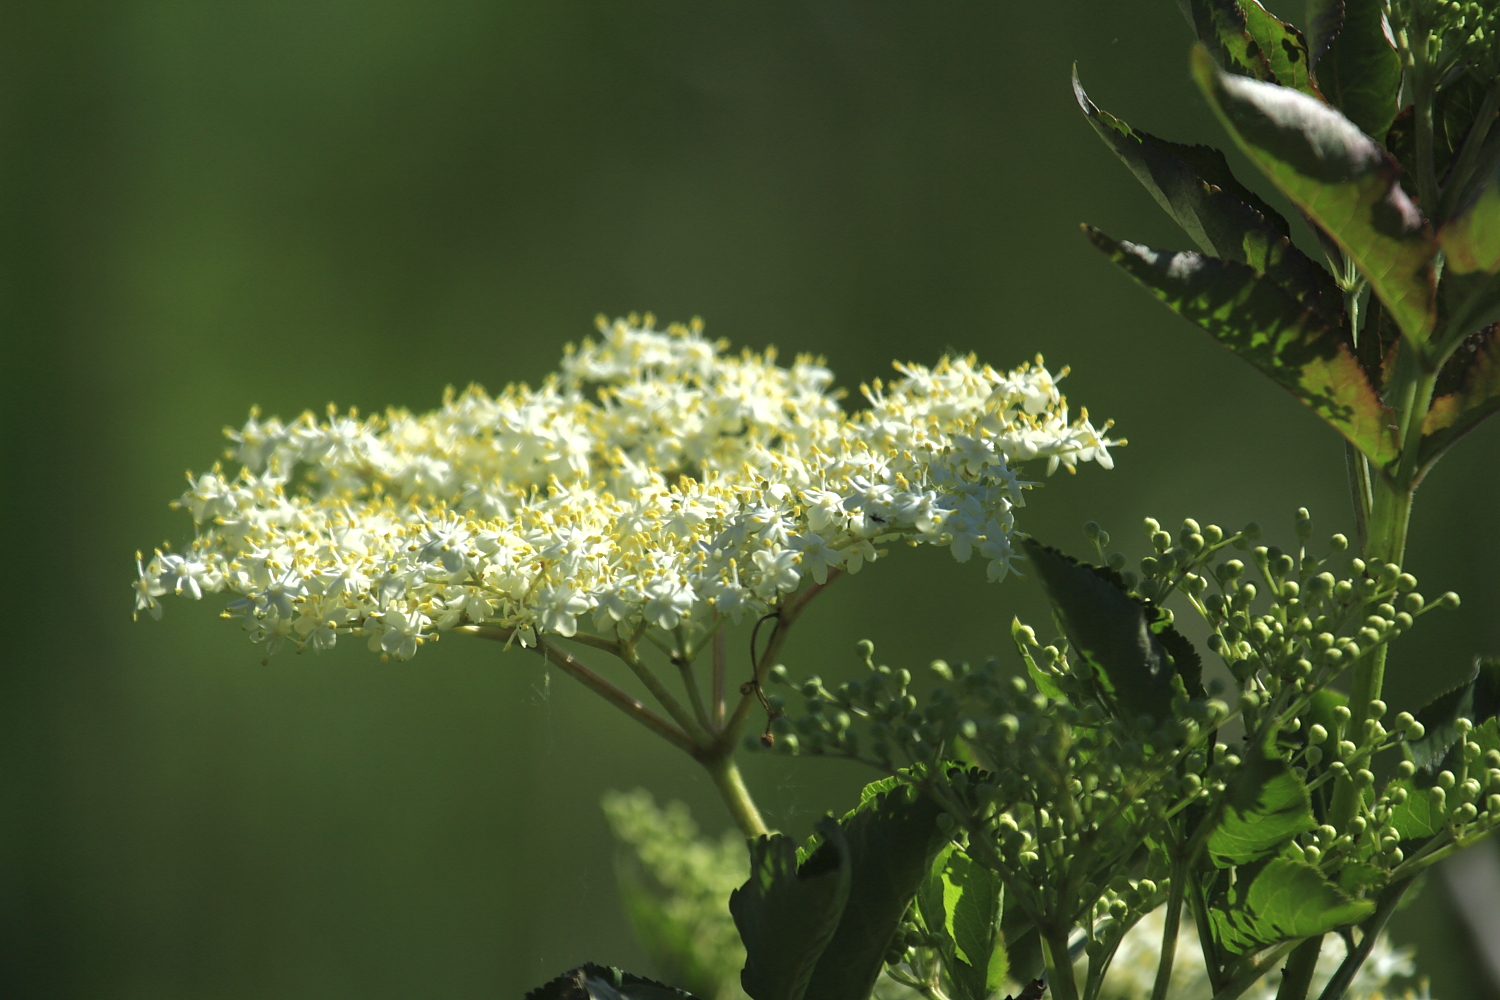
(654, 480)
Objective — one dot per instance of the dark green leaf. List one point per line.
(787, 914)
(1265, 806)
(1248, 39)
(599, 982)
(1343, 179)
(1471, 379)
(892, 837)
(1194, 185)
(1133, 653)
(961, 903)
(1277, 901)
(1477, 699)
(1354, 61)
(1263, 325)
(1454, 108)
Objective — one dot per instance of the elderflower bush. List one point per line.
(654, 480)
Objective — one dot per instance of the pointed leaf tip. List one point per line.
(1344, 180)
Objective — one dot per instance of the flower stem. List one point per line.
(1296, 977)
(662, 695)
(1055, 953)
(621, 700)
(1372, 927)
(1169, 932)
(731, 787)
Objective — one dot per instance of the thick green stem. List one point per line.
(1175, 893)
(731, 787)
(1206, 938)
(1297, 976)
(1060, 981)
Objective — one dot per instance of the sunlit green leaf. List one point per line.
(961, 903)
(1265, 806)
(1473, 396)
(1133, 653)
(1195, 186)
(1343, 179)
(599, 982)
(788, 913)
(1279, 900)
(1254, 318)
(1354, 61)
(1248, 39)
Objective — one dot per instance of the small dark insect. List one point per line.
(768, 740)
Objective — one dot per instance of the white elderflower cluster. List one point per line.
(655, 480)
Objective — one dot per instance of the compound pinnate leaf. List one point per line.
(1265, 806)
(1248, 39)
(1252, 316)
(1134, 654)
(1344, 180)
(600, 982)
(961, 903)
(891, 837)
(1280, 900)
(788, 913)
(1355, 62)
(1474, 394)
(1194, 185)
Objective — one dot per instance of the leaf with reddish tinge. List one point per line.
(1343, 179)
(1194, 185)
(1477, 395)
(1254, 318)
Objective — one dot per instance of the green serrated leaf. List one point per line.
(1222, 29)
(1355, 62)
(961, 902)
(1477, 699)
(1342, 179)
(1247, 39)
(1265, 806)
(1133, 654)
(1280, 900)
(892, 837)
(1194, 185)
(600, 982)
(1474, 396)
(788, 913)
(1284, 48)
(1413, 819)
(1263, 325)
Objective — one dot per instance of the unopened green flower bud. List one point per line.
(1405, 769)
(1437, 797)
(1338, 543)
(1449, 600)
(1314, 756)
(1363, 778)
(1406, 583)
(1415, 731)
(1376, 710)
(1251, 531)
(1304, 523)
(1466, 813)
(1445, 780)
(1311, 854)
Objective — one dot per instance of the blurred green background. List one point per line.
(205, 206)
